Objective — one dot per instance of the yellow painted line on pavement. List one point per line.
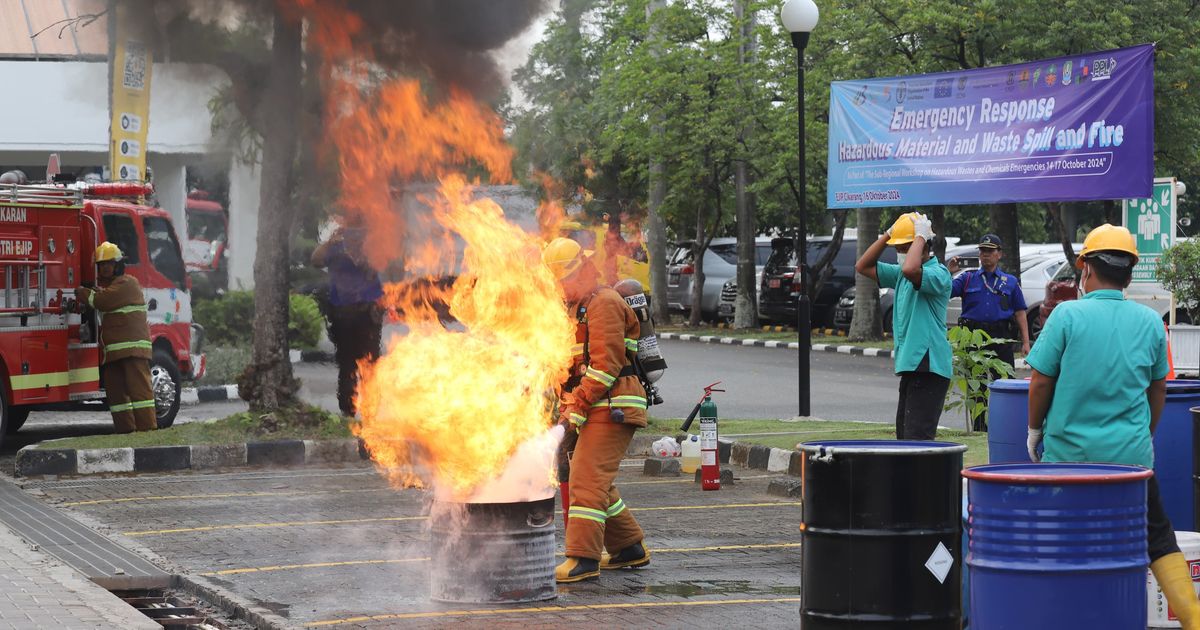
(224, 495)
(212, 528)
(351, 563)
(313, 565)
(289, 493)
(549, 609)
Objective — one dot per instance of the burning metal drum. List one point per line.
(494, 553)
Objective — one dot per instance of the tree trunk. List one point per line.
(745, 314)
(1054, 209)
(656, 237)
(867, 324)
(937, 216)
(1112, 212)
(698, 247)
(267, 383)
(823, 269)
(1004, 223)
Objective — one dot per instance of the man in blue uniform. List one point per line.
(992, 300)
(356, 320)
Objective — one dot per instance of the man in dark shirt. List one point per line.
(356, 320)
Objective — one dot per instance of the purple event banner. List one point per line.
(1065, 129)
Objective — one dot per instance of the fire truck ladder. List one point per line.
(17, 299)
(42, 194)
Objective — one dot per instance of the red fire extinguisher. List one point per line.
(710, 463)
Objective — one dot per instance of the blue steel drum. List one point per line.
(881, 536)
(1057, 546)
(1173, 454)
(1008, 419)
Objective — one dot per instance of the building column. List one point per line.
(170, 188)
(244, 184)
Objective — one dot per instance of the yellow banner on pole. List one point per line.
(130, 123)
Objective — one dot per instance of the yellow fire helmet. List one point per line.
(563, 256)
(903, 230)
(1107, 238)
(108, 252)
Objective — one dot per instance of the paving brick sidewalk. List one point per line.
(37, 591)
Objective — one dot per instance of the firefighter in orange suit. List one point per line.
(125, 338)
(603, 402)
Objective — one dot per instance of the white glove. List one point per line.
(1032, 440)
(923, 227)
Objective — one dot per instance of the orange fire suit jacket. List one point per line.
(124, 329)
(607, 328)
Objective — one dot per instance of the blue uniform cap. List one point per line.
(990, 241)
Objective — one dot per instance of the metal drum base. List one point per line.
(492, 553)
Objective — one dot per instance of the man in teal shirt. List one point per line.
(1098, 389)
(923, 358)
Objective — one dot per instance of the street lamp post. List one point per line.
(799, 17)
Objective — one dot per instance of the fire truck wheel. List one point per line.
(167, 382)
(16, 419)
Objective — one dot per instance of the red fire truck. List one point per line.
(49, 352)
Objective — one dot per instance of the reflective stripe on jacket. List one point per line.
(124, 329)
(611, 328)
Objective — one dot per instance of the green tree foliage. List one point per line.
(1179, 272)
(595, 86)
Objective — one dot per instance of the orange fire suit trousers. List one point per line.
(598, 517)
(130, 396)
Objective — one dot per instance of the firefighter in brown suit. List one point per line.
(125, 338)
(604, 403)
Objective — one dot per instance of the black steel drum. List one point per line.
(881, 535)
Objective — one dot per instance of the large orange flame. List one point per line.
(441, 406)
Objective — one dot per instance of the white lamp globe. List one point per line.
(799, 16)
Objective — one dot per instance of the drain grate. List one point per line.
(169, 610)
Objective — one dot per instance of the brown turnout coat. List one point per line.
(124, 329)
(610, 327)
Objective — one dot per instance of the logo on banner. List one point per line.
(901, 91)
(1051, 76)
(1084, 72)
(1067, 73)
(943, 88)
(887, 92)
(1037, 74)
(1024, 80)
(1102, 69)
(962, 86)
(861, 97)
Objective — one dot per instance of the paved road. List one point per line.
(338, 547)
(763, 382)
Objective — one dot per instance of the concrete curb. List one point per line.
(32, 461)
(785, 345)
(792, 345)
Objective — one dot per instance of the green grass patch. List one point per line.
(810, 430)
(300, 423)
(224, 364)
(842, 341)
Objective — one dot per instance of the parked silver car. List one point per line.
(720, 266)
